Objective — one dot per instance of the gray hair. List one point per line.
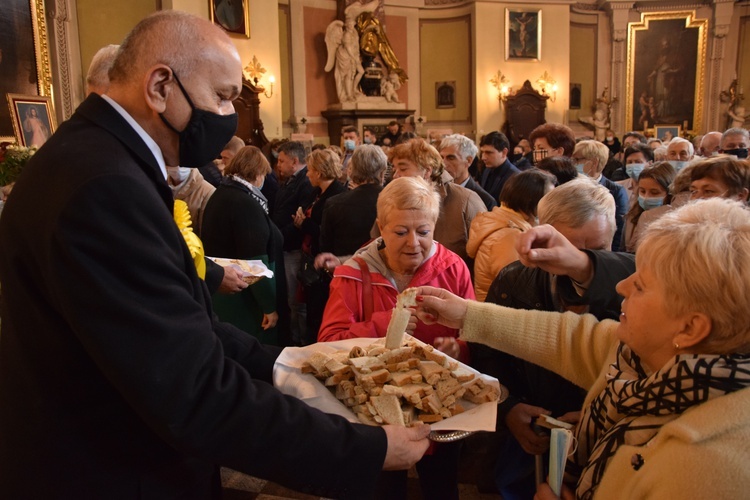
(735, 131)
(465, 146)
(295, 149)
(367, 165)
(97, 78)
(577, 202)
(678, 140)
(162, 38)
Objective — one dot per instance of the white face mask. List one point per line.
(178, 174)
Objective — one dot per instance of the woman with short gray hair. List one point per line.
(348, 217)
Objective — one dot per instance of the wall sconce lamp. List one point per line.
(548, 84)
(271, 81)
(254, 72)
(502, 84)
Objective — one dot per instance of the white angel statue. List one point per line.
(342, 42)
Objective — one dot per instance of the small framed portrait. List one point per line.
(445, 95)
(33, 119)
(523, 34)
(232, 15)
(666, 132)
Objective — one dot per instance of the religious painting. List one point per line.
(232, 15)
(523, 34)
(33, 119)
(24, 56)
(445, 95)
(666, 133)
(666, 70)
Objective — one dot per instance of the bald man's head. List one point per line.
(173, 69)
(171, 37)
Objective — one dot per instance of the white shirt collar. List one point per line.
(155, 150)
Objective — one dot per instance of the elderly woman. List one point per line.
(364, 292)
(236, 225)
(323, 171)
(347, 218)
(551, 140)
(459, 205)
(668, 384)
(721, 176)
(590, 158)
(404, 256)
(493, 235)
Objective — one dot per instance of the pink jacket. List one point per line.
(343, 316)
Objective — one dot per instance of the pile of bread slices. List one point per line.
(399, 386)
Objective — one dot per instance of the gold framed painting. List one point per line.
(666, 70)
(666, 133)
(523, 34)
(33, 119)
(25, 66)
(232, 15)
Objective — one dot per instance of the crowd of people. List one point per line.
(603, 283)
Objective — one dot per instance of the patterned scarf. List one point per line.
(255, 192)
(634, 405)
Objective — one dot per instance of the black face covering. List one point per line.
(740, 153)
(204, 136)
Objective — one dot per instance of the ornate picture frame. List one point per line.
(25, 67)
(666, 133)
(33, 119)
(663, 83)
(232, 16)
(523, 34)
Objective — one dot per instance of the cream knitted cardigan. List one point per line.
(705, 453)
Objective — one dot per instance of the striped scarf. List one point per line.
(634, 405)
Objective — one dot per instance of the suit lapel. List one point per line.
(102, 114)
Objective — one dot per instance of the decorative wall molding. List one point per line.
(443, 2)
(63, 70)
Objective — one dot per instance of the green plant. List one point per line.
(12, 160)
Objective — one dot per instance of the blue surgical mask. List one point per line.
(634, 170)
(649, 203)
(740, 153)
(579, 167)
(349, 145)
(368, 140)
(677, 164)
(275, 153)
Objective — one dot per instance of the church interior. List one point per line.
(663, 68)
(461, 58)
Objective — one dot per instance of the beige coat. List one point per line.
(195, 191)
(703, 453)
(492, 244)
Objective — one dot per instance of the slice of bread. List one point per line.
(389, 409)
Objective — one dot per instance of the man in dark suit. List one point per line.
(497, 167)
(295, 193)
(115, 379)
(458, 152)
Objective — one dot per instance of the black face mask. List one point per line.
(204, 136)
(740, 153)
